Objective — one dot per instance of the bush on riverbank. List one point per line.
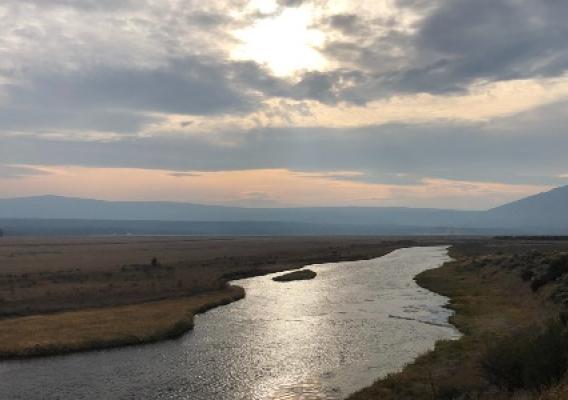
(556, 268)
(529, 360)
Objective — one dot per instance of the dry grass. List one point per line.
(107, 327)
(64, 295)
(52, 275)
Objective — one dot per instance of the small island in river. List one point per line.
(303, 275)
(83, 294)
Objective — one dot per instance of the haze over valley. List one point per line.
(545, 213)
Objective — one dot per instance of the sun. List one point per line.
(286, 43)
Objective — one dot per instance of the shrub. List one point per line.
(530, 360)
(527, 275)
(449, 393)
(537, 283)
(557, 268)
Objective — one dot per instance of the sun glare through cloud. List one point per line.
(378, 87)
(286, 42)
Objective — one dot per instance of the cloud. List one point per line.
(59, 117)
(265, 188)
(291, 3)
(20, 171)
(83, 5)
(125, 99)
(178, 174)
(174, 59)
(390, 153)
(411, 90)
(453, 45)
(188, 86)
(348, 24)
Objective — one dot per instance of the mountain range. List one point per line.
(544, 213)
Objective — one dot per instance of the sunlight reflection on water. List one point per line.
(317, 339)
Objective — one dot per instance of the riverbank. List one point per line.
(57, 308)
(40, 276)
(492, 297)
(96, 329)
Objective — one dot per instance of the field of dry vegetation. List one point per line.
(64, 295)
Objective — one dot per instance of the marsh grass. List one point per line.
(107, 327)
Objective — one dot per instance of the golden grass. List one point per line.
(45, 275)
(107, 327)
(487, 302)
(60, 295)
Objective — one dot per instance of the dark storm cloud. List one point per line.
(385, 154)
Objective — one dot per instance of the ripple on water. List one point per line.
(318, 339)
(307, 390)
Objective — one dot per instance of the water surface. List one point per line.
(317, 339)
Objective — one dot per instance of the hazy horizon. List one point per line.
(260, 205)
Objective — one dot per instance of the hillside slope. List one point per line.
(546, 211)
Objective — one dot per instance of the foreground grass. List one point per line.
(73, 331)
(488, 302)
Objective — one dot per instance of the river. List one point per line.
(319, 339)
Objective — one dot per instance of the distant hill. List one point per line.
(542, 212)
(545, 213)
(56, 207)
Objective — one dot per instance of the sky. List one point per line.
(269, 103)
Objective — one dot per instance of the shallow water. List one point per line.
(317, 339)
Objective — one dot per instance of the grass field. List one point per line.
(52, 275)
(64, 295)
(489, 284)
(100, 328)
